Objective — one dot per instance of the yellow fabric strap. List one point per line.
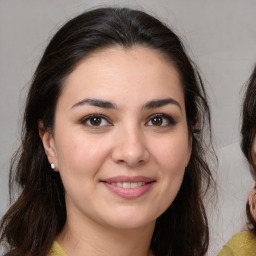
(241, 244)
(56, 250)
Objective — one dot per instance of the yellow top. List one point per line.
(57, 250)
(241, 244)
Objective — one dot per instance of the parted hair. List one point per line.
(248, 132)
(39, 213)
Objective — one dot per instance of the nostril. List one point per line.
(141, 161)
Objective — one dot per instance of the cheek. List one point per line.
(81, 155)
(173, 154)
(80, 160)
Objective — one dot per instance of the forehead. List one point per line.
(137, 72)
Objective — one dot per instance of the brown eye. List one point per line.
(157, 121)
(95, 121)
(161, 120)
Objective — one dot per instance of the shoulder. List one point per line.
(241, 244)
(57, 250)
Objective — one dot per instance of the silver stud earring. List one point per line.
(52, 166)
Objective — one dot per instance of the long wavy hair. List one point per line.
(248, 132)
(39, 213)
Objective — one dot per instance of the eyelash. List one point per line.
(89, 118)
(170, 120)
(163, 118)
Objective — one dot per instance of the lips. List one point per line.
(129, 187)
(128, 184)
(129, 179)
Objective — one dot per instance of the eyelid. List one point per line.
(171, 121)
(168, 118)
(88, 117)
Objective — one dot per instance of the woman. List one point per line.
(244, 243)
(113, 157)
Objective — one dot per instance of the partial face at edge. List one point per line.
(254, 151)
(120, 140)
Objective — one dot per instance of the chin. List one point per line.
(125, 222)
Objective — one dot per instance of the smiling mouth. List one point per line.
(128, 184)
(129, 187)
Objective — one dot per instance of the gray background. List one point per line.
(220, 36)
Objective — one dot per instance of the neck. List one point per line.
(90, 238)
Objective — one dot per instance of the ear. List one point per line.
(49, 144)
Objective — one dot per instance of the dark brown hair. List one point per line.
(248, 132)
(32, 222)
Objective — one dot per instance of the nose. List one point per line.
(130, 148)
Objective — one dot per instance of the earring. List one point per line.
(52, 166)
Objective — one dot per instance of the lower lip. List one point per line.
(129, 193)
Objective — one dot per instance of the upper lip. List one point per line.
(128, 179)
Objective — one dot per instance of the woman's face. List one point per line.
(120, 139)
(254, 151)
(252, 194)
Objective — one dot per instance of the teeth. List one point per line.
(126, 185)
(129, 184)
(134, 185)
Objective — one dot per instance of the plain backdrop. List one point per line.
(220, 36)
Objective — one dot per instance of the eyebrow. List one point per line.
(96, 103)
(161, 103)
(107, 104)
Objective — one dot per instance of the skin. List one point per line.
(254, 151)
(252, 194)
(126, 142)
